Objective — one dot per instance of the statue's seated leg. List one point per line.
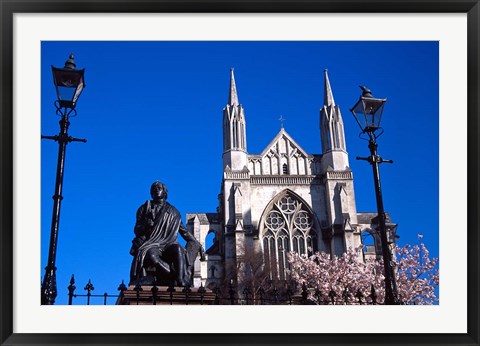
(175, 254)
(162, 268)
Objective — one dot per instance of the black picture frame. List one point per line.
(10, 7)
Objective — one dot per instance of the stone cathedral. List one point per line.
(280, 200)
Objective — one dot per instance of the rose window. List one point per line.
(274, 221)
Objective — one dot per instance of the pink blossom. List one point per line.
(346, 278)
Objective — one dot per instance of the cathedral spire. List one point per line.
(233, 96)
(234, 131)
(331, 129)
(328, 94)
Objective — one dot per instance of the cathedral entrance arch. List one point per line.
(287, 224)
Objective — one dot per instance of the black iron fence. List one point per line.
(228, 295)
(89, 295)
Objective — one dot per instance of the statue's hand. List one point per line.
(148, 219)
(136, 243)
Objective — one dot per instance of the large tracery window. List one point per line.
(288, 226)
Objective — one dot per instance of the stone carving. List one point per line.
(157, 256)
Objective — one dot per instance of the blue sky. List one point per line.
(153, 111)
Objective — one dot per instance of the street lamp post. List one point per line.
(69, 83)
(369, 109)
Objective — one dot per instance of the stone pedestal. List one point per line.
(164, 296)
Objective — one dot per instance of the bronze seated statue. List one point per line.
(158, 258)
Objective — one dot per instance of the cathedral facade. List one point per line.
(280, 200)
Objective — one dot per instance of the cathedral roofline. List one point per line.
(203, 218)
(281, 133)
(366, 217)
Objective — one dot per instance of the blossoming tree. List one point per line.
(346, 280)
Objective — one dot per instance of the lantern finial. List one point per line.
(70, 63)
(365, 91)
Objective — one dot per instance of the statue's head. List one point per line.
(158, 191)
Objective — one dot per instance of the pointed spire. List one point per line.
(234, 131)
(328, 96)
(233, 96)
(331, 124)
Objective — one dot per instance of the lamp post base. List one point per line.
(49, 286)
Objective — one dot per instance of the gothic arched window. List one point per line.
(371, 243)
(288, 226)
